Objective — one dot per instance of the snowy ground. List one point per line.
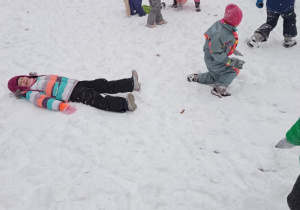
(218, 154)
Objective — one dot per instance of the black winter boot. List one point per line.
(197, 5)
(174, 5)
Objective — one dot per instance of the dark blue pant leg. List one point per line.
(266, 28)
(289, 24)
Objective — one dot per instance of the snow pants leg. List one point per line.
(136, 7)
(217, 73)
(155, 15)
(89, 93)
(293, 198)
(112, 87)
(266, 28)
(289, 24)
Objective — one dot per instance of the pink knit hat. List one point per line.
(13, 83)
(233, 15)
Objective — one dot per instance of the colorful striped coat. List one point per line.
(50, 91)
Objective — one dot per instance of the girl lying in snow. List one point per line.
(53, 92)
(291, 140)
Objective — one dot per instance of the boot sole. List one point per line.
(288, 46)
(216, 94)
(131, 102)
(136, 84)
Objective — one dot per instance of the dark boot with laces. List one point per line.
(174, 5)
(197, 5)
(220, 91)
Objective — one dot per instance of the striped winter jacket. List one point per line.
(50, 91)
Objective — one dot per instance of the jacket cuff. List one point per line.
(227, 60)
(63, 106)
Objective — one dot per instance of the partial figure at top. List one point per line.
(275, 9)
(179, 4)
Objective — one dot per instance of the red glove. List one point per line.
(69, 110)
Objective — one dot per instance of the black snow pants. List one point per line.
(289, 24)
(293, 198)
(89, 92)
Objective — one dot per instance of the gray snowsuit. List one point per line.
(218, 46)
(155, 15)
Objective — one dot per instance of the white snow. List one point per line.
(217, 154)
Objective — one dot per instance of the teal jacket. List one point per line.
(219, 41)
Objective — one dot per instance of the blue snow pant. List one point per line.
(217, 72)
(289, 24)
(155, 15)
(136, 7)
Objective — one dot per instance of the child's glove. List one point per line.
(33, 74)
(69, 110)
(238, 53)
(236, 63)
(18, 93)
(260, 4)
